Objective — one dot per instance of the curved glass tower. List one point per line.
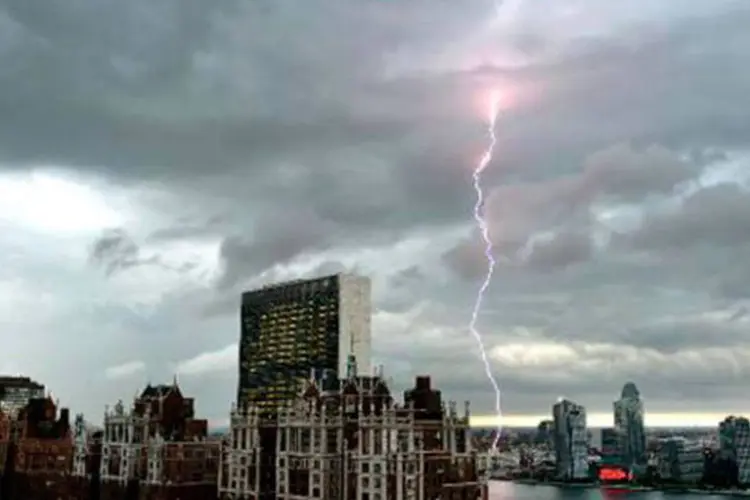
(629, 425)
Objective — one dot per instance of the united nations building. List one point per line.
(291, 329)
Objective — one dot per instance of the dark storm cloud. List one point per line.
(677, 334)
(735, 283)
(713, 216)
(466, 260)
(629, 174)
(279, 238)
(186, 228)
(563, 250)
(405, 277)
(116, 251)
(340, 124)
(144, 88)
(165, 115)
(740, 313)
(517, 212)
(190, 106)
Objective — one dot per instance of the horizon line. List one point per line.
(595, 420)
(603, 419)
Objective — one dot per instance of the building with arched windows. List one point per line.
(347, 439)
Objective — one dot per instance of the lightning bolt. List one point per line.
(485, 232)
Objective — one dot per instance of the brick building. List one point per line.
(40, 456)
(157, 449)
(5, 426)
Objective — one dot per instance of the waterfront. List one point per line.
(505, 490)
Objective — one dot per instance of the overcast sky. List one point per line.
(157, 158)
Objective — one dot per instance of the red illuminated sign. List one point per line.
(614, 474)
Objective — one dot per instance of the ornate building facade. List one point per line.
(87, 453)
(347, 439)
(157, 449)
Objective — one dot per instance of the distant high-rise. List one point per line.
(291, 329)
(734, 444)
(571, 440)
(545, 433)
(629, 424)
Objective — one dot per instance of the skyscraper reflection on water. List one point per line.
(501, 490)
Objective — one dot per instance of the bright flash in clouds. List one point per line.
(49, 202)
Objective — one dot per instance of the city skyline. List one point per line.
(603, 419)
(157, 161)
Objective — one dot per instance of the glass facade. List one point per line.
(629, 424)
(287, 331)
(571, 441)
(734, 443)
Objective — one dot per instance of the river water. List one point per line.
(503, 490)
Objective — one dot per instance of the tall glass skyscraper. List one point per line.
(629, 425)
(291, 329)
(571, 440)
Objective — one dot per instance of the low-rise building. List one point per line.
(157, 449)
(42, 453)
